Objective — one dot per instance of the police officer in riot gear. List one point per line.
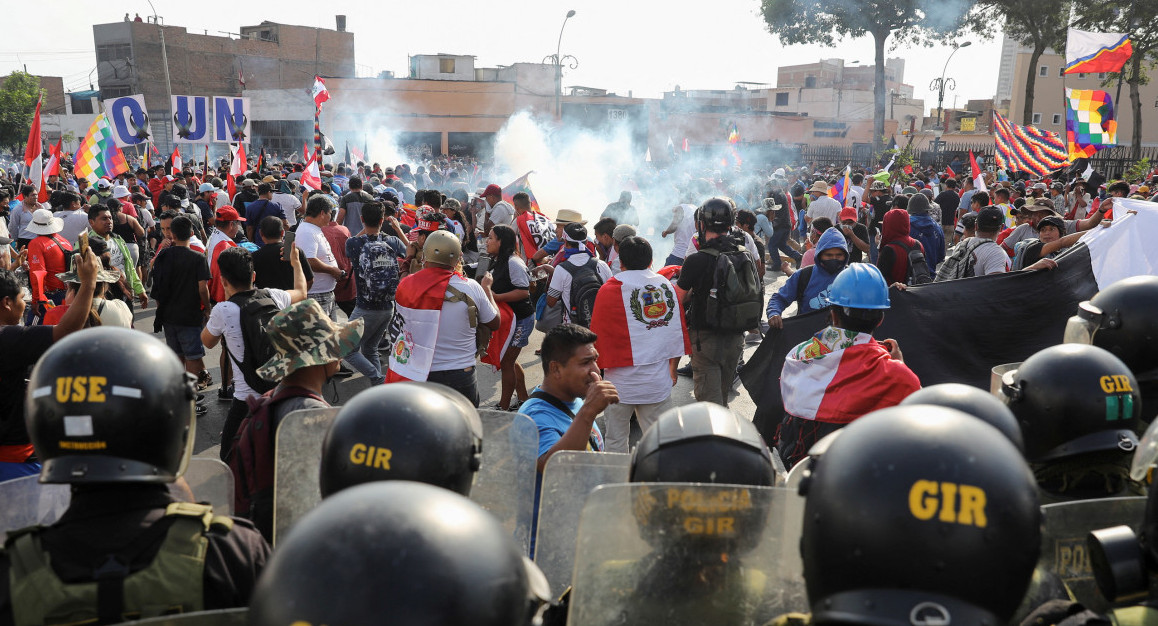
(972, 401)
(1078, 408)
(423, 432)
(111, 412)
(947, 524)
(1121, 319)
(395, 552)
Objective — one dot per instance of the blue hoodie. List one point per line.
(932, 238)
(817, 289)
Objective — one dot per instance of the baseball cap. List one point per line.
(576, 233)
(621, 232)
(1040, 204)
(228, 214)
(206, 187)
(249, 182)
(990, 219)
(492, 189)
(171, 179)
(848, 213)
(104, 184)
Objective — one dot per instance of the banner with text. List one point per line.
(230, 119)
(129, 120)
(190, 119)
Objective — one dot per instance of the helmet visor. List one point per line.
(1147, 453)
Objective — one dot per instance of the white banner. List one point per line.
(129, 120)
(230, 119)
(190, 119)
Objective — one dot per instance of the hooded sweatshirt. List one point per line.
(925, 230)
(893, 259)
(816, 291)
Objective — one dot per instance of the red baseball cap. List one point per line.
(228, 214)
(848, 213)
(492, 190)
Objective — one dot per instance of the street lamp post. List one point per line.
(559, 66)
(940, 85)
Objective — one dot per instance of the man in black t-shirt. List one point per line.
(855, 234)
(948, 200)
(270, 269)
(20, 347)
(181, 289)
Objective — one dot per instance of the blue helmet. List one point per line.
(859, 286)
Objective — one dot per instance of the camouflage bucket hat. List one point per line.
(304, 335)
(103, 275)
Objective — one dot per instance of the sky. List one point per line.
(622, 46)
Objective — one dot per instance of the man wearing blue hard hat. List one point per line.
(842, 372)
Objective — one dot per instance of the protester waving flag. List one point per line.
(32, 153)
(978, 175)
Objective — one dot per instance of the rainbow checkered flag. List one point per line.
(1090, 123)
(98, 155)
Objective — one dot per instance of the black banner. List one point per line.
(953, 331)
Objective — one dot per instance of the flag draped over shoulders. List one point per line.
(414, 328)
(638, 320)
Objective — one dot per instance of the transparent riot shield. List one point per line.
(680, 553)
(25, 502)
(298, 457)
(1063, 549)
(210, 481)
(567, 479)
(222, 617)
(505, 482)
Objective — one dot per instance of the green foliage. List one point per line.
(18, 97)
(1138, 171)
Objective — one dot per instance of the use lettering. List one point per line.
(81, 388)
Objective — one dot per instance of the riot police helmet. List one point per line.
(1073, 399)
(702, 442)
(946, 526)
(110, 405)
(403, 431)
(1120, 318)
(975, 402)
(395, 551)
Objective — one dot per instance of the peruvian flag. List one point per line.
(978, 177)
(638, 320)
(500, 339)
(535, 230)
(949, 171)
(414, 328)
(236, 168)
(177, 162)
(32, 152)
(52, 168)
(311, 177)
(839, 383)
(791, 208)
(319, 92)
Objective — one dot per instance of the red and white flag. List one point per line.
(500, 339)
(177, 162)
(838, 376)
(638, 320)
(414, 328)
(236, 168)
(685, 144)
(319, 92)
(535, 230)
(311, 176)
(978, 175)
(950, 172)
(52, 168)
(32, 153)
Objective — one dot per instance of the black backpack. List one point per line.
(257, 308)
(918, 273)
(735, 301)
(585, 284)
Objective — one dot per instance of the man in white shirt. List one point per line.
(822, 205)
(289, 203)
(683, 225)
(74, 217)
(498, 211)
(312, 242)
(236, 267)
(989, 257)
(576, 256)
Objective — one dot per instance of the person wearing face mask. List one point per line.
(809, 287)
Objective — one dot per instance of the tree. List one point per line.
(18, 95)
(825, 21)
(1138, 21)
(1040, 24)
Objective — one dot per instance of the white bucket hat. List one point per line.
(43, 223)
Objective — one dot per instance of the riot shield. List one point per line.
(26, 502)
(505, 483)
(567, 479)
(681, 553)
(1063, 541)
(298, 457)
(211, 481)
(222, 617)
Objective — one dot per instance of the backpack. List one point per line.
(1020, 248)
(918, 273)
(735, 301)
(961, 261)
(585, 284)
(257, 308)
(378, 271)
(252, 459)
